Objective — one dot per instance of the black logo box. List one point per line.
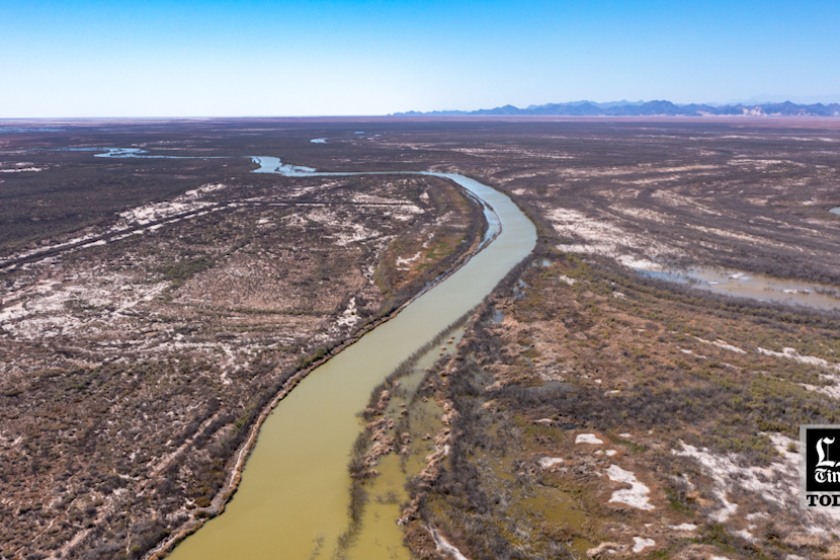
(819, 466)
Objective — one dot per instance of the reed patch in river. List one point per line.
(403, 438)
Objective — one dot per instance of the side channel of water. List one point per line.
(760, 287)
(293, 498)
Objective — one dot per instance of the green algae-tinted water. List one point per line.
(293, 498)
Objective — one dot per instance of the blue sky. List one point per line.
(327, 57)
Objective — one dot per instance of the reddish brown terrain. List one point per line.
(594, 408)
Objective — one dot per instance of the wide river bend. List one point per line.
(292, 501)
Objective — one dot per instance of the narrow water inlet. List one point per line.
(292, 501)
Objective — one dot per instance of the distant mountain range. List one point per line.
(646, 109)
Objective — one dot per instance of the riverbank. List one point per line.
(294, 493)
(598, 411)
(234, 478)
(135, 363)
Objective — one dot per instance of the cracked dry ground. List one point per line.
(132, 370)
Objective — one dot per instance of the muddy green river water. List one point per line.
(293, 499)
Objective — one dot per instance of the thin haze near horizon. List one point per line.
(119, 58)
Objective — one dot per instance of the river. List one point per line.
(293, 498)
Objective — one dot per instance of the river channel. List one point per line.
(293, 499)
